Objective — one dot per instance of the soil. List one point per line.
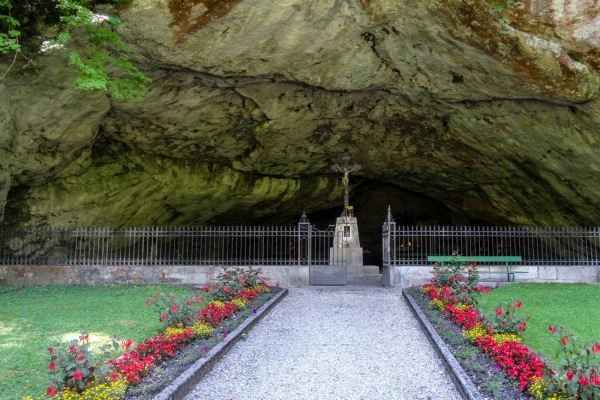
(163, 374)
(484, 373)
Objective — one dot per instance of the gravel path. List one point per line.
(332, 344)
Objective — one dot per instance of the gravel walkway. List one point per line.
(332, 344)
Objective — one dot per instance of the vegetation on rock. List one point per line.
(126, 81)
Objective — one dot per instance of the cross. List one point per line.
(346, 168)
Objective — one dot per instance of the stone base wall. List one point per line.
(31, 275)
(406, 276)
(284, 275)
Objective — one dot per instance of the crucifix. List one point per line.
(346, 168)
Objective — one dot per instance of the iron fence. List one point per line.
(300, 244)
(537, 246)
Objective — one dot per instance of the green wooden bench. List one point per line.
(483, 259)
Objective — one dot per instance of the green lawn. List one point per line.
(34, 318)
(575, 306)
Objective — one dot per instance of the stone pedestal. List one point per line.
(346, 249)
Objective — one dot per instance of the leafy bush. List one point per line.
(582, 378)
(458, 277)
(176, 312)
(505, 320)
(72, 366)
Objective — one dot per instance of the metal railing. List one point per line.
(301, 244)
(545, 246)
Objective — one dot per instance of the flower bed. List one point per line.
(188, 323)
(451, 292)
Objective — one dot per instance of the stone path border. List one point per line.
(186, 382)
(461, 380)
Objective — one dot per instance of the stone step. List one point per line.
(365, 279)
(363, 269)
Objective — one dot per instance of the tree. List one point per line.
(128, 82)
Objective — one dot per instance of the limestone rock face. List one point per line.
(253, 100)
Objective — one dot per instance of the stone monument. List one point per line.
(346, 249)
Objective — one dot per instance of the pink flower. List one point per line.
(51, 391)
(202, 348)
(224, 335)
(77, 375)
(51, 366)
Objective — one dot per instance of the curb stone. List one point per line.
(458, 375)
(186, 382)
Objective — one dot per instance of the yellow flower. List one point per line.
(112, 390)
(239, 303)
(171, 331)
(201, 330)
(476, 332)
(504, 337)
(217, 303)
(438, 304)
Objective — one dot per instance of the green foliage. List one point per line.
(34, 317)
(572, 305)
(461, 278)
(123, 80)
(9, 41)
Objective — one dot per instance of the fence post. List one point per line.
(388, 230)
(304, 236)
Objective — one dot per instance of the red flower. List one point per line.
(563, 340)
(51, 366)
(85, 337)
(50, 350)
(72, 349)
(80, 357)
(127, 344)
(596, 348)
(77, 375)
(498, 311)
(569, 375)
(174, 307)
(113, 376)
(552, 329)
(163, 317)
(51, 391)
(583, 381)
(595, 379)
(187, 302)
(148, 302)
(155, 296)
(517, 305)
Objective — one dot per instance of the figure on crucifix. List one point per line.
(346, 168)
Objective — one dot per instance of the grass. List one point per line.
(34, 318)
(575, 306)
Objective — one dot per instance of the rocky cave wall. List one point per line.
(253, 100)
